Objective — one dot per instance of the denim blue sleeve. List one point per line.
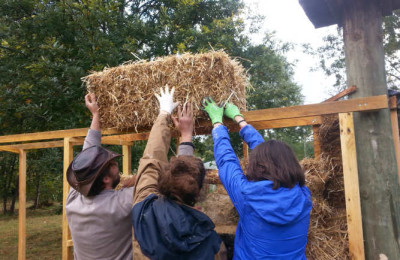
(229, 169)
(251, 136)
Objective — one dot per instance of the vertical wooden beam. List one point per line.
(317, 145)
(395, 132)
(126, 160)
(66, 234)
(351, 186)
(245, 152)
(22, 206)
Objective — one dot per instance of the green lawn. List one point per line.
(43, 234)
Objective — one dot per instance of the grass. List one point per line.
(43, 234)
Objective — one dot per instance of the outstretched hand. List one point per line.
(214, 111)
(166, 100)
(91, 103)
(184, 122)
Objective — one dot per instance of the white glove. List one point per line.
(166, 101)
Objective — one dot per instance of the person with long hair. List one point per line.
(272, 201)
(166, 225)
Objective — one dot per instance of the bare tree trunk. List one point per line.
(377, 168)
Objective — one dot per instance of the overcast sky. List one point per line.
(288, 20)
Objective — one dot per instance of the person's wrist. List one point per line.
(186, 138)
(238, 118)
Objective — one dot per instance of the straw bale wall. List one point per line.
(125, 94)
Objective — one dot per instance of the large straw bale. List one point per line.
(125, 94)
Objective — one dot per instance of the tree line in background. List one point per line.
(47, 46)
(332, 58)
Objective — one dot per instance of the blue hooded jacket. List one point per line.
(167, 230)
(273, 224)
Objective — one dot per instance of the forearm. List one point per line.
(251, 136)
(93, 138)
(154, 157)
(95, 125)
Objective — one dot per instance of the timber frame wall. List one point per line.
(260, 119)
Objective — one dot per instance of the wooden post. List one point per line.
(245, 152)
(22, 206)
(351, 186)
(126, 160)
(379, 189)
(66, 234)
(317, 145)
(395, 132)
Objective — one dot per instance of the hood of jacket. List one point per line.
(165, 229)
(279, 207)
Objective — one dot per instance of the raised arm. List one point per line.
(155, 154)
(229, 169)
(94, 134)
(250, 135)
(184, 123)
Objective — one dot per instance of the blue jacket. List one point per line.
(167, 230)
(273, 224)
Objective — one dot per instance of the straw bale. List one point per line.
(125, 94)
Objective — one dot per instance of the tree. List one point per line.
(331, 54)
(46, 47)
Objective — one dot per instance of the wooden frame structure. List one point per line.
(260, 119)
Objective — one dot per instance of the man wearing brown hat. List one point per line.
(99, 217)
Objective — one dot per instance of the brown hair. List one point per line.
(183, 180)
(275, 161)
(98, 184)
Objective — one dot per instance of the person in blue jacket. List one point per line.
(272, 201)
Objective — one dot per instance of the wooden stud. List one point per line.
(317, 145)
(395, 132)
(245, 152)
(126, 160)
(343, 93)
(351, 105)
(66, 234)
(357, 104)
(351, 186)
(22, 206)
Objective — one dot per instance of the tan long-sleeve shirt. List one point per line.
(101, 226)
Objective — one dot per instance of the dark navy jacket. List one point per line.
(273, 224)
(169, 230)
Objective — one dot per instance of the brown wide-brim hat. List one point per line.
(87, 166)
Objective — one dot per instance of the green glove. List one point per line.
(213, 110)
(231, 111)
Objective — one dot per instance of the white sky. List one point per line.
(290, 23)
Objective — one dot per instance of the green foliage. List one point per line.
(47, 46)
(332, 58)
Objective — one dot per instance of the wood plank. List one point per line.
(22, 206)
(66, 234)
(280, 123)
(342, 94)
(126, 160)
(351, 186)
(396, 139)
(59, 134)
(253, 117)
(7, 148)
(245, 151)
(351, 105)
(317, 145)
(70, 243)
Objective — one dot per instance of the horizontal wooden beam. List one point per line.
(351, 105)
(278, 117)
(10, 149)
(53, 135)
